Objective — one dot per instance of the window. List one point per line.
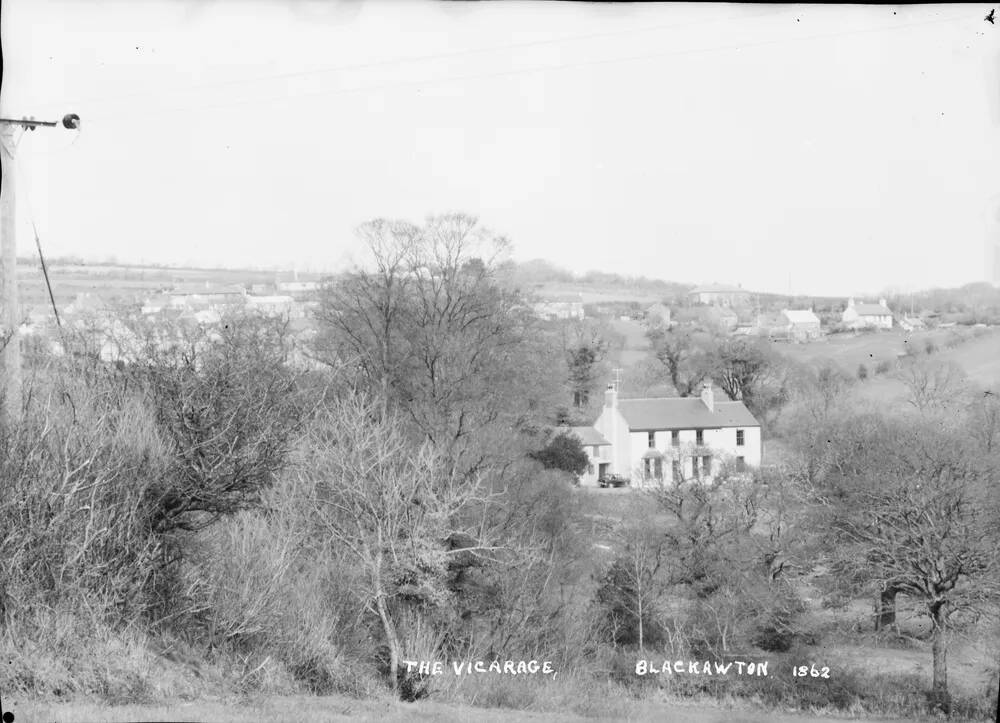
(739, 437)
(741, 464)
(706, 465)
(651, 439)
(658, 469)
(699, 437)
(675, 438)
(678, 475)
(597, 451)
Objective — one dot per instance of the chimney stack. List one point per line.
(881, 302)
(611, 397)
(708, 396)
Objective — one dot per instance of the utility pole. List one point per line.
(11, 353)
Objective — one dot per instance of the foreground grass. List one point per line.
(336, 708)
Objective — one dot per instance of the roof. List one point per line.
(718, 289)
(801, 316)
(871, 310)
(270, 300)
(683, 413)
(589, 436)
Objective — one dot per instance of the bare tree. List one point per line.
(227, 404)
(686, 353)
(933, 385)
(633, 585)
(393, 508)
(442, 340)
(361, 312)
(918, 523)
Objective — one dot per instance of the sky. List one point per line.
(836, 150)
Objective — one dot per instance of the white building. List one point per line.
(559, 310)
(664, 440)
(720, 295)
(802, 324)
(912, 323)
(867, 316)
(598, 453)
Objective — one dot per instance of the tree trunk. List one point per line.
(388, 628)
(640, 619)
(885, 608)
(940, 699)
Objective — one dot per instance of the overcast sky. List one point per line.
(826, 150)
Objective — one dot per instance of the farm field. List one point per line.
(128, 282)
(636, 346)
(594, 293)
(979, 357)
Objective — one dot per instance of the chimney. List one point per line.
(611, 397)
(881, 302)
(708, 396)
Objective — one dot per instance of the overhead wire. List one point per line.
(407, 60)
(522, 71)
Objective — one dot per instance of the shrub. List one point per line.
(563, 452)
(264, 584)
(862, 372)
(76, 474)
(883, 367)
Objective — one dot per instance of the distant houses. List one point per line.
(720, 295)
(559, 309)
(912, 323)
(867, 316)
(801, 324)
(722, 318)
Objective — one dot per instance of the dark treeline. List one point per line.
(274, 515)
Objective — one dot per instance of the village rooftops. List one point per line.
(683, 413)
(871, 310)
(801, 316)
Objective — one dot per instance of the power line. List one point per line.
(411, 59)
(523, 71)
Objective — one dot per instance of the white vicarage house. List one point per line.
(666, 440)
(867, 316)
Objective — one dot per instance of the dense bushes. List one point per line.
(199, 519)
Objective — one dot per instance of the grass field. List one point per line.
(979, 357)
(596, 293)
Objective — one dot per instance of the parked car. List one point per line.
(612, 480)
